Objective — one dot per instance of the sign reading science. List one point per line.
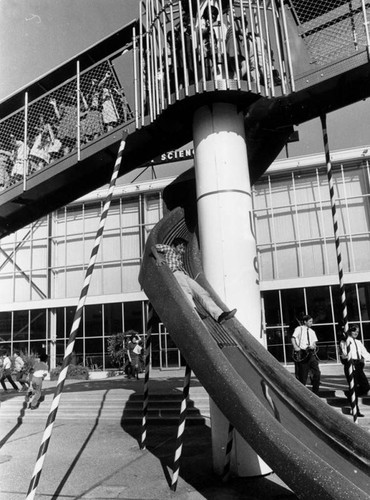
(188, 154)
(171, 156)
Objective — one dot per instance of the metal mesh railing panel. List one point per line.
(70, 116)
(331, 29)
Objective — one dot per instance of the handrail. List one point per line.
(174, 57)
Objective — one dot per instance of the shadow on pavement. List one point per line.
(81, 450)
(196, 465)
(22, 413)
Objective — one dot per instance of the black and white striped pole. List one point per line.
(229, 446)
(75, 325)
(146, 377)
(181, 428)
(352, 391)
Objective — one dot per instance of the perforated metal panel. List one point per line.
(331, 29)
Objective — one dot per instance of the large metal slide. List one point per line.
(315, 450)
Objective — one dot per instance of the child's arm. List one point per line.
(159, 257)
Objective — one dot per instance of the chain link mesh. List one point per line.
(331, 29)
(48, 128)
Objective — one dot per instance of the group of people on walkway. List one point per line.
(103, 106)
(245, 50)
(30, 378)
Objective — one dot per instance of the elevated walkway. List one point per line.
(151, 76)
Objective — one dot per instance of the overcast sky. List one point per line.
(37, 35)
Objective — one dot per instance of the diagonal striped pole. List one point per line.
(352, 391)
(72, 337)
(229, 446)
(181, 428)
(148, 341)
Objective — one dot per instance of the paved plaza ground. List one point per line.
(92, 456)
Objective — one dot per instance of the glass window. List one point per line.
(364, 298)
(22, 255)
(60, 350)
(130, 230)
(275, 344)
(20, 346)
(152, 206)
(112, 319)
(109, 363)
(361, 252)
(74, 279)
(266, 265)
(113, 275)
(326, 342)
(93, 321)
(293, 307)
(6, 326)
(74, 236)
(94, 353)
(39, 284)
(133, 318)
(294, 225)
(20, 325)
(60, 328)
(319, 304)
(78, 352)
(113, 222)
(272, 307)
(352, 306)
(38, 324)
(152, 212)
(39, 261)
(288, 261)
(21, 286)
(366, 335)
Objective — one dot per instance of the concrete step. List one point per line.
(338, 400)
(162, 408)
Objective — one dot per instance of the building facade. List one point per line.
(42, 266)
(297, 252)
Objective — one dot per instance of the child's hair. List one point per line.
(178, 241)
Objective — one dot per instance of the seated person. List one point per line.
(172, 255)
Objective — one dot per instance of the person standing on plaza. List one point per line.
(359, 354)
(20, 372)
(40, 370)
(133, 353)
(172, 255)
(304, 341)
(7, 373)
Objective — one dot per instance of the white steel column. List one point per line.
(228, 244)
